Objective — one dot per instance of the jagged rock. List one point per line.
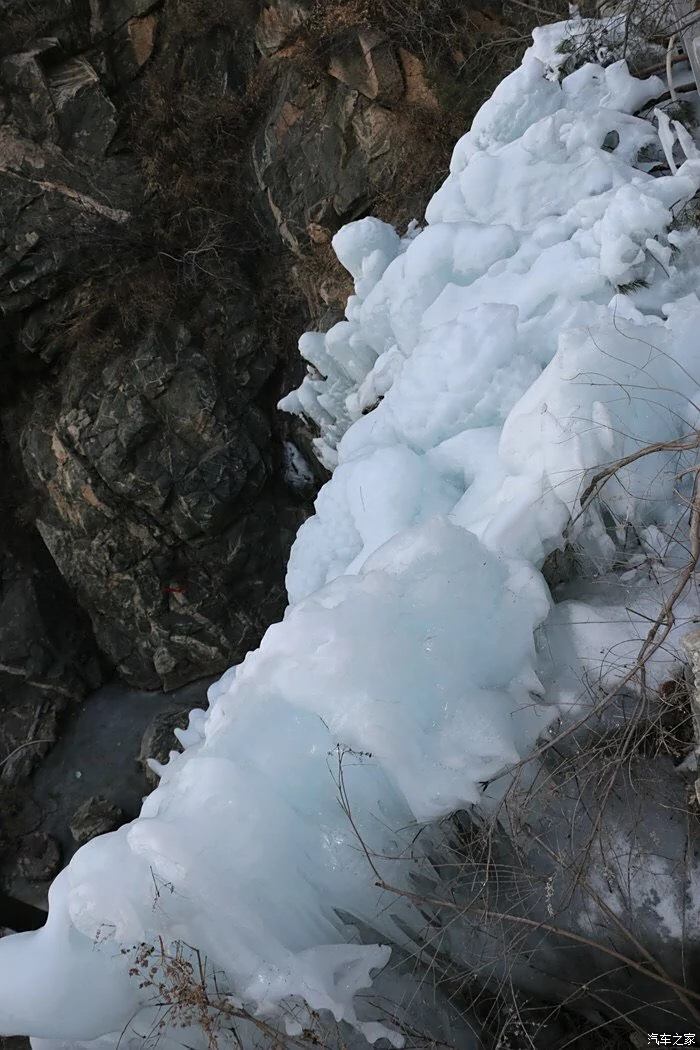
(159, 740)
(32, 106)
(160, 513)
(370, 67)
(24, 23)
(331, 147)
(55, 127)
(277, 23)
(48, 662)
(58, 98)
(95, 817)
(320, 155)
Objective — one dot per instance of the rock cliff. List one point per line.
(171, 174)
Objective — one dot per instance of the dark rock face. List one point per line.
(46, 656)
(41, 660)
(59, 189)
(161, 513)
(326, 151)
(170, 179)
(153, 455)
(48, 662)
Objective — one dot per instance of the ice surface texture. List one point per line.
(489, 363)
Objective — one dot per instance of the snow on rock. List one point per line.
(488, 365)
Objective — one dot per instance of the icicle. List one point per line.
(686, 141)
(669, 67)
(666, 138)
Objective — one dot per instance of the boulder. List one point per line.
(160, 512)
(96, 816)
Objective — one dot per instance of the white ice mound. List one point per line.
(489, 364)
(498, 340)
(243, 849)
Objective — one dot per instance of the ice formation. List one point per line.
(542, 324)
